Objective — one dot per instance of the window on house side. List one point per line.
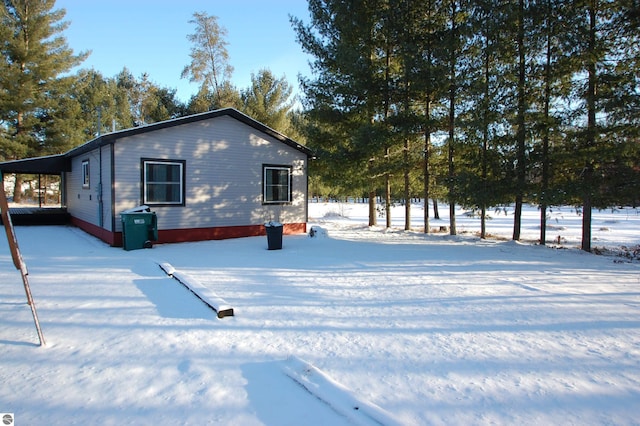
(85, 174)
(277, 184)
(163, 182)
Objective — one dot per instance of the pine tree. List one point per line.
(34, 55)
(430, 87)
(552, 74)
(402, 21)
(620, 99)
(482, 180)
(455, 40)
(269, 100)
(227, 96)
(606, 43)
(415, 29)
(521, 130)
(84, 102)
(166, 105)
(147, 102)
(347, 103)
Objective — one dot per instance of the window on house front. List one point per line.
(277, 184)
(163, 182)
(85, 174)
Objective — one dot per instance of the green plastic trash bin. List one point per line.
(139, 229)
(274, 235)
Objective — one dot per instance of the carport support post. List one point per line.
(17, 257)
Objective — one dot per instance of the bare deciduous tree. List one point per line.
(209, 57)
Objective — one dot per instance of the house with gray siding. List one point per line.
(215, 175)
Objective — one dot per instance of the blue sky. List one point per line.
(151, 36)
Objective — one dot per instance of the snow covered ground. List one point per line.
(353, 326)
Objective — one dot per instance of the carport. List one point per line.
(42, 214)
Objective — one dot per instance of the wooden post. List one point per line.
(17, 257)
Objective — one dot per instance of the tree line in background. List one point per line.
(478, 102)
(45, 109)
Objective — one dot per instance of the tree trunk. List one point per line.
(587, 176)
(545, 130)
(17, 189)
(429, 18)
(521, 135)
(452, 197)
(586, 224)
(517, 217)
(427, 149)
(407, 188)
(545, 136)
(452, 115)
(373, 218)
(387, 198)
(485, 143)
(543, 224)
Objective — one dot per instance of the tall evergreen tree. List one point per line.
(206, 100)
(520, 122)
(348, 99)
(552, 75)
(430, 24)
(167, 106)
(148, 103)
(455, 40)
(620, 101)
(33, 55)
(604, 43)
(482, 181)
(416, 29)
(269, 100)
(88, 106)
(403, 23)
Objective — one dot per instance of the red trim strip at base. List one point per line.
(114, 239)
(223, 233)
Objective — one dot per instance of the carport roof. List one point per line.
(51, 164)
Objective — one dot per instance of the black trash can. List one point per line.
(274, 235)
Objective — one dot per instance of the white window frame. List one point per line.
(86, 176)
(265, 187)
(145, 183)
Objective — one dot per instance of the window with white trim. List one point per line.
(85, 174)
(277, 184)
(163, 182)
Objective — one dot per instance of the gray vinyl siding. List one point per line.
(224, 165)
(84, 202)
